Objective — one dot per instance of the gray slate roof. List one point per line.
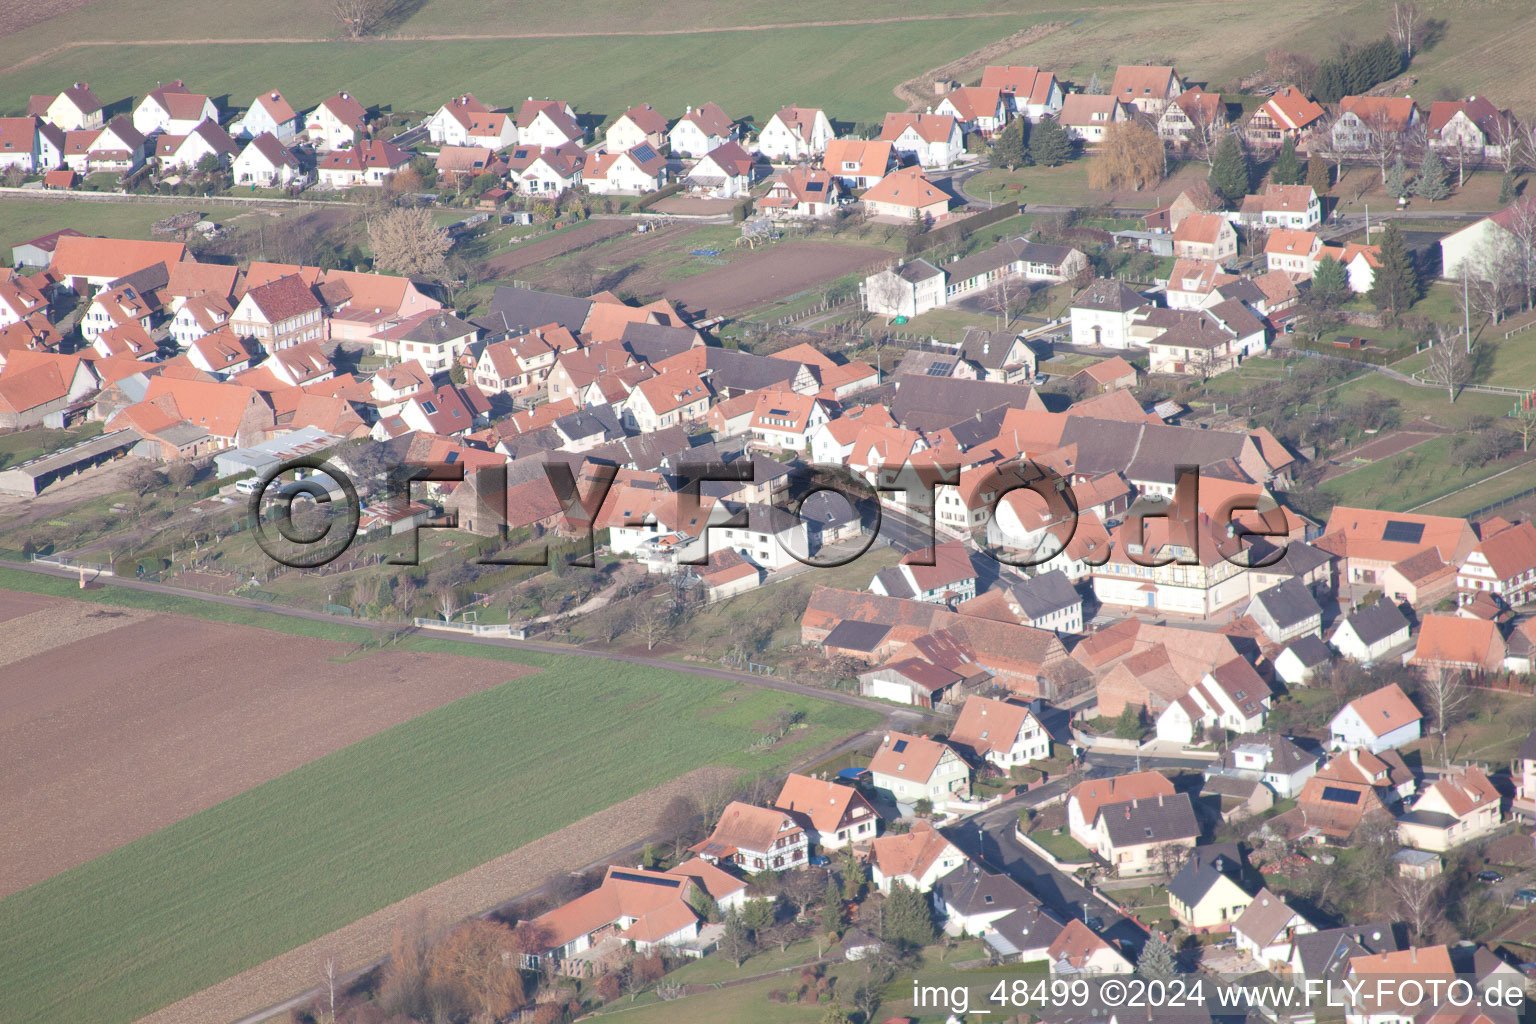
(1310, 651)
(969, 889)
(522, 309)
(1289, 603)
(1377, 622)
(1046, 594)
(1154, 820)
(1109, 296)
(1207, 866)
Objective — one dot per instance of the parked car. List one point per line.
(250, 485)
(1525, 895)
(819, 861)
(1489, 876)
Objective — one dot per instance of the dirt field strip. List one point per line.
(56, 624)
(476, 890)
(1376, 450)
(770, 274)
(562, 242)
(145, 718)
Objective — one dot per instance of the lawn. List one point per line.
(1409, 479)
(849, 70)
(343, 836)
(22, 445)
(1061, 846)
(21, 219)
(1492, 491)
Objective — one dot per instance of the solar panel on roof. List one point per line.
(1403, 532)
(938, 370)
(813, 186)
(900, 746)
(1339, 795)
(629, 876)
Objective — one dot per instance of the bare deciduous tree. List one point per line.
(653, 622)
(358, 17)
(1384, 139)
(886, 292)
(1404, 24)
(1450, 364)
(408, 241)
(1505, 135)
(1445, 690)
(1420, 899)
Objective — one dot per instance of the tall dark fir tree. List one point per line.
(1396, 284)
(1229, 176)
(1286, 169)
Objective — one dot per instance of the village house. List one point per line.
(1292, 251)
(1106, 375)
(1286, 611)
(37, 387)
(794, 134)
(434, 338)
(701, 130)
(1472, 129)
(1194, 117)
(268, 113)
(207, 140)
(1085, 799)
(1296, 207)
(1460, 806)
(1203, 343)
(266, 163)
(1361, 118)
(672, 398)
(755, 839)
(834, 816)
(74, 109)
(948, 580)
(1267, 930)
(915, 859)
(368, 163)
(857, 163)
(971, 899)
(1457, 644)
(1231, 696)
(1205, 236)
(1473, 244)
(465, 121)
(978, 109)
(1207, 895)
(547, 123)
(1102, 314)
(1028, 92)
(1000, 732)
(1301, 659)
(119, 148)
(219, 353)
(641, 125)
(800, 192)
(725, 172)
(336, 123)
(1148, 88)
(1078, 950)
(912, 768)
(1265, 757)
(1088, 117)
(171, 109)
(652, 909)
(1383, 719)
(636, 170)
(1368, 633)
(546, 170)
(784, 420)
(933, 140)
(1501, 563)
(907, 196)
(278, 314)
(1288, 113)
(1137, 837)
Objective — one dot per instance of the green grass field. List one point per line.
(1412, 478)
(849, 70)
(297, 857)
